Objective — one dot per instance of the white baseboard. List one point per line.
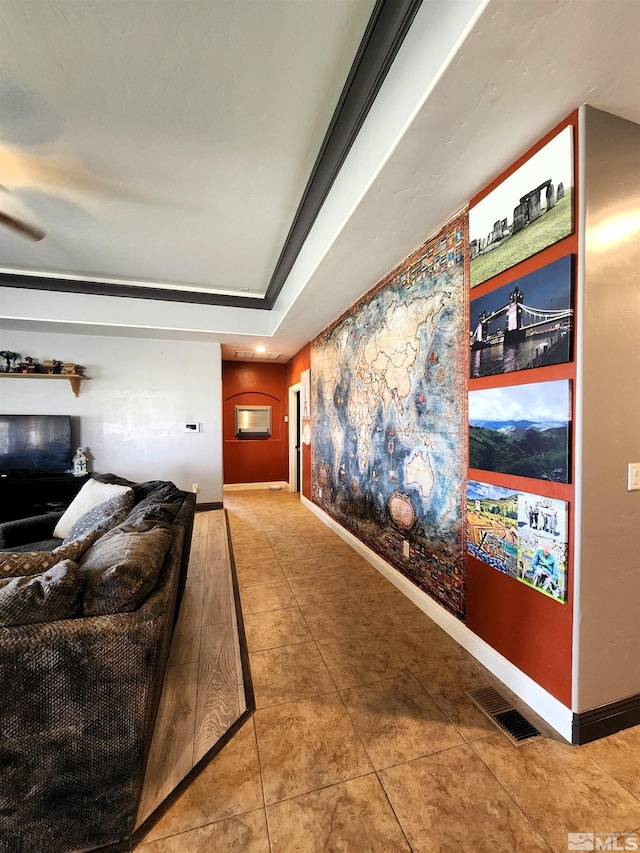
(553, 712)
(244, 487)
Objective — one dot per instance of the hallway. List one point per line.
(363, 739)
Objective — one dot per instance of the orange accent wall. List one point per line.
(258, 459)
(531, 630)
(301, 361)
(528, 628)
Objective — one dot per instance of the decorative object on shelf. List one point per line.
(9, 357)
(28, 365)
(52, 367)
(49, 369)
(80, 463)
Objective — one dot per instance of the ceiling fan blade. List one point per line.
(13, 217)
(21, 226)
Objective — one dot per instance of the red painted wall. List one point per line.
(301, 361)
(259, 459)
(531, 630)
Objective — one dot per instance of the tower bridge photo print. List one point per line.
(524, 324)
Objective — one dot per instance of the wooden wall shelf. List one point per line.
(74, 379)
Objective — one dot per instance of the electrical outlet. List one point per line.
(405, 548)
(195, 488)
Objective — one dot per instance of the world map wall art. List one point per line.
(389, 418)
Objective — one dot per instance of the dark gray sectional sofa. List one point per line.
(79, 695)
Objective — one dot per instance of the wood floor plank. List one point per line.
(218, 703)
(199, 541)
(185, 644)
(218, 591)
(171, 756)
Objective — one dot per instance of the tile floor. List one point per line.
(363, 738)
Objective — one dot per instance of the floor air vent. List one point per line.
(501, 711)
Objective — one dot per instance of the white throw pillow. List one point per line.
(91, 495)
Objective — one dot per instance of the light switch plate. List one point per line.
(633, 482)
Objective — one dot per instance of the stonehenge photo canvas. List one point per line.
(528, 211)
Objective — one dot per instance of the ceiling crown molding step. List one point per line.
(386, 30)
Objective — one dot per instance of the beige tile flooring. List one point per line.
(364, 738)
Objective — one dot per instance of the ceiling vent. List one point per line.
(268, 356)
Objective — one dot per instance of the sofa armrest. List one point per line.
(74, 717)
(77, 721)
(24, 530)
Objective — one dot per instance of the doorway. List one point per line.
(295, 439)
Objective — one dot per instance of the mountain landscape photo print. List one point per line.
(522, 430)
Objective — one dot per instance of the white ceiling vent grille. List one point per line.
(268, 356)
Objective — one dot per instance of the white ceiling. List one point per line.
(475, 84)
(167, 142)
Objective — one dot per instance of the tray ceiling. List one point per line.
(475, 83)
(168, 145)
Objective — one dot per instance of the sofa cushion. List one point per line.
(15, 564)
(45, 597)
(140, 490)
(161, 504)
(76, 548)
(101, 518)
(122, 567)
(91, 495)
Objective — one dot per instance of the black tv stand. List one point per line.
(25, 494)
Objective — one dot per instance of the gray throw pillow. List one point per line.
(101, 518)
(46, 597)
(162, 504)
(91, 495)
(122, 567)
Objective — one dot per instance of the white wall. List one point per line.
(131, 412)
(607, 623)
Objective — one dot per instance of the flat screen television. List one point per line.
(34, 444)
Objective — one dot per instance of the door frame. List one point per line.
(294, 486)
